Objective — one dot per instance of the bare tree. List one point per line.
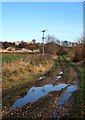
(52, 39)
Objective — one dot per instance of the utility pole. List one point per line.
(43, 31)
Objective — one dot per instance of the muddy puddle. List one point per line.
(58, 77)
(42, 77)
(36, 93)
(61, 72)
(65, 97)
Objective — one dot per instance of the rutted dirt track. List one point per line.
(49, 97)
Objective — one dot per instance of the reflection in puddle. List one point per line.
(67, 95)
(58, 77)
(61, 73)
(64, 98)
(42, 77)
(37, 92)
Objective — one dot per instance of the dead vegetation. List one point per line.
(25, 70)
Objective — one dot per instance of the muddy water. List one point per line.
(36, 93)
(63, 99)
(42, 77)
(61, 73)
(67, 95)
(58, 77)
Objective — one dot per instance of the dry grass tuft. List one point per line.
(21, 70)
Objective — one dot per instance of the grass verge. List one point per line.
(79, 107)
(78, 110)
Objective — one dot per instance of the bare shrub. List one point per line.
(79, 52)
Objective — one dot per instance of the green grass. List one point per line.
(80, 103)
(77, 111)
(79, 106)
(10, 57)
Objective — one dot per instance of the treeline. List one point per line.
(49, 48)
(77, 51)
(5, 45)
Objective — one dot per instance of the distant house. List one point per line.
(68, 44)
(29, 43)
(71, 44)
(36, 51)
(10, 49)
(3, 50)
(25, 50)
(0, 49)
(75, 44)
(65, 43)
(17, 43)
